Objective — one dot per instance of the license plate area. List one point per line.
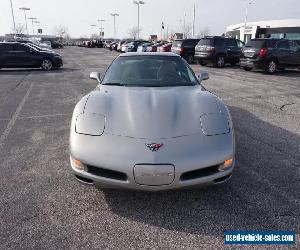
(154, 175)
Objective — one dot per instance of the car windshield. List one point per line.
(149, 71)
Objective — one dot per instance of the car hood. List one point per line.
(151, 113)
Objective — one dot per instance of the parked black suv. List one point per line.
(218, 51)
(185, 48)
(19, 55)
(271, 54)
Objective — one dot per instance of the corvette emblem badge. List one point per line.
(154, 146)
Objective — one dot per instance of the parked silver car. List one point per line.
(151, 125)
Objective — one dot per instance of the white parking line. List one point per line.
(14, 118)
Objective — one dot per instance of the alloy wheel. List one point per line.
(272, 67)
(220, 62)
(47, 64)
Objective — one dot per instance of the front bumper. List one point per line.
(122, 155)
(57, 62)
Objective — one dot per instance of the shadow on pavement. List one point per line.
(260, 196)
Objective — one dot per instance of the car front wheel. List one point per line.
(220, 62)
(247, 68)
(190, 59)
(46, 64)
(271, 67)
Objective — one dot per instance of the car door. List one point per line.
(233, 51)
(4, 54)
(21, 56)
(285, 54)
(295, 52)
(7, 57)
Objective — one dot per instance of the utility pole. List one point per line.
(32, 23)
(24, 10)
(114, 16)
(248, 2)
(13, 16)
(138, 3)
(194, 17)
(101, 28)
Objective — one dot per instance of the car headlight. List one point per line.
(77, 164)
(226, 165)
(90, 124)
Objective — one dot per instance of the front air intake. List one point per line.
(199, 173)
(106, 173)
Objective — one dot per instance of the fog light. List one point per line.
(226, 165)
(78, 165)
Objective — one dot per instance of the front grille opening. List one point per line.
(222, 179)
(84, 180)
(106, 173)
(199, 173)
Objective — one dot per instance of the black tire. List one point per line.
(46, 64)
(271, 67)
(203, 63)
(190, 59)
(247, 68)
(220, 62)
(233, 63)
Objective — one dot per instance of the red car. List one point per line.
(165, 48)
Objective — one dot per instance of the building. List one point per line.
(287, 28)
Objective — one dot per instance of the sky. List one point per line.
(78, 15)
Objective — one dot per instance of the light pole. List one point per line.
(93, 26)
(194, 18)
(13, 16)
(101, 28)
(38, 23)
(114, 16)
(138, 3)
(32, 23)
(248, 2)
(24, 10)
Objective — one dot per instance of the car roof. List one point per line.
(128, 54)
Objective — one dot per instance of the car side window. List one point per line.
(6, 47)
(230, 43)
(283, 45)
(240, 44)
(20, 48)
(219, 42)
(294, 46)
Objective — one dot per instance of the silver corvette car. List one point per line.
(151, 125)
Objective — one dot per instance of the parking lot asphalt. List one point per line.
(42, 206)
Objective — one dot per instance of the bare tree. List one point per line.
(203, 32)
(133, 32)
(19, 29)
(61, 31)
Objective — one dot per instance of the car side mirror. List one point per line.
(203, 76)
(95, 76)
